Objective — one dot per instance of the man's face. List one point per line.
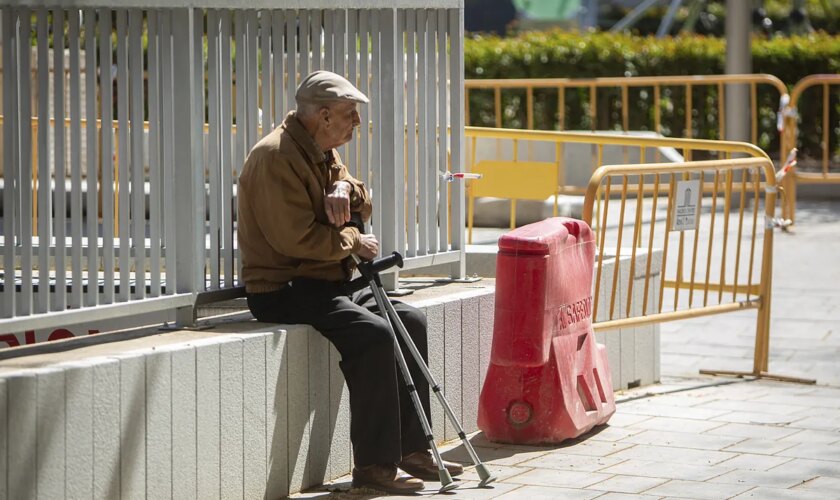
(339, 120)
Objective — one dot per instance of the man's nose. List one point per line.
(357, 120)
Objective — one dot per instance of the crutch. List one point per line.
(370, 277)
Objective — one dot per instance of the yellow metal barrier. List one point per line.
(516, 178)
(829, 167)
(716, 244)
(657, 83)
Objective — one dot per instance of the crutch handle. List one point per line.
(370, 269)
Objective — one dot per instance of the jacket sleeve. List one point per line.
(286, 215)
(359, 198)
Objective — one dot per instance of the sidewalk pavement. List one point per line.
(696, 436)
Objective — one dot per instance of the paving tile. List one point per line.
(694, 489)
(775, 479)
(663, 410)
(501, 472)
(813, 467)
(548, 493)
(752, 431)
(744, 417)
(762, 493)
(627, 484)
(760, 446)
(624, 496)
(622, 419)
(683, 440)
(749, 461)
(667, 470)
(673, 454)
(506, 457)
(553, 477)
(806, 400)
(753, 406)
(813, 451)
(676, 425)
(613, 433)
(564, 461)
(828, 486)
(827, 423)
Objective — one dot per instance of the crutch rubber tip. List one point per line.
(484, 475)
(446, 482)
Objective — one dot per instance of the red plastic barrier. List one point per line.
(548, 380)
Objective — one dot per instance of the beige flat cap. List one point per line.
(322, 86)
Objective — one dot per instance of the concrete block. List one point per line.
(207, 428)
(435, 333)
(319, 408)
(78, 430)
(159, 424)
(184, 424)
(22, 429)
(4, 420)
(253, 381)
(643, 337)
(276, 414)
(611, 338)
(340, 446)
(470, 362)
(231, 419)
(50, 433)
(106, 429)
(299, 429)
(132, 425)
(452, 363)
(486, 316)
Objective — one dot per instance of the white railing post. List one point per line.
(456, 136)
(188, 166)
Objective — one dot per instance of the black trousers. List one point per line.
(383, 423)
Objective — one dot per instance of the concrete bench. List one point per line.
(244, 410)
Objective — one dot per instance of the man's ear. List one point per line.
(324, 113)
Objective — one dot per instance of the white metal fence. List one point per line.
(144, 145)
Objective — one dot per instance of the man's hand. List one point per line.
(369, 248)
(337, 203)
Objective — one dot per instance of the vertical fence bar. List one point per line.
(198, 164)
(11, 38)
(107, 154)
(154, 153)
(637, 229)
(60, 163)
(353, 62)
(123, 200)
(24, 179)
(388, 135)
(303, 42)
(365, 167)
(825, 128)
(621, 211)
(442, 122)
(721, 112)
(213, 158)
(376, 118)
(315, 33)
(227, 162)
(756, 182)
(754, 113)
(601, 246)
(252, 76)
(654, 201)
(741, 206)
(92, 159)
(329, 63)
(75, 158)
(167, 74)
(187, 133)
(291, 57)
(696, 241)
(265, 71)
(411, 131)
(716, 188)
(422, 131)
(726, 208)
(401, 197)
(668, 216)
(241, 85)
(431, 133)
(277, 39)
(457, 119)
(138, 195)
(44, 208)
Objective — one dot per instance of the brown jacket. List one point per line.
(283, 228)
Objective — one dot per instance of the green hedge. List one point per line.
(558, 54)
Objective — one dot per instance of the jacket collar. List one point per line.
(305, 141)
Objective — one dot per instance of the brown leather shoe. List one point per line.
(421, 465)
(384, 477)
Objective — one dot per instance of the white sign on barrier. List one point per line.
(686, 206)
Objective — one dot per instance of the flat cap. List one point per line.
(323, 86)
